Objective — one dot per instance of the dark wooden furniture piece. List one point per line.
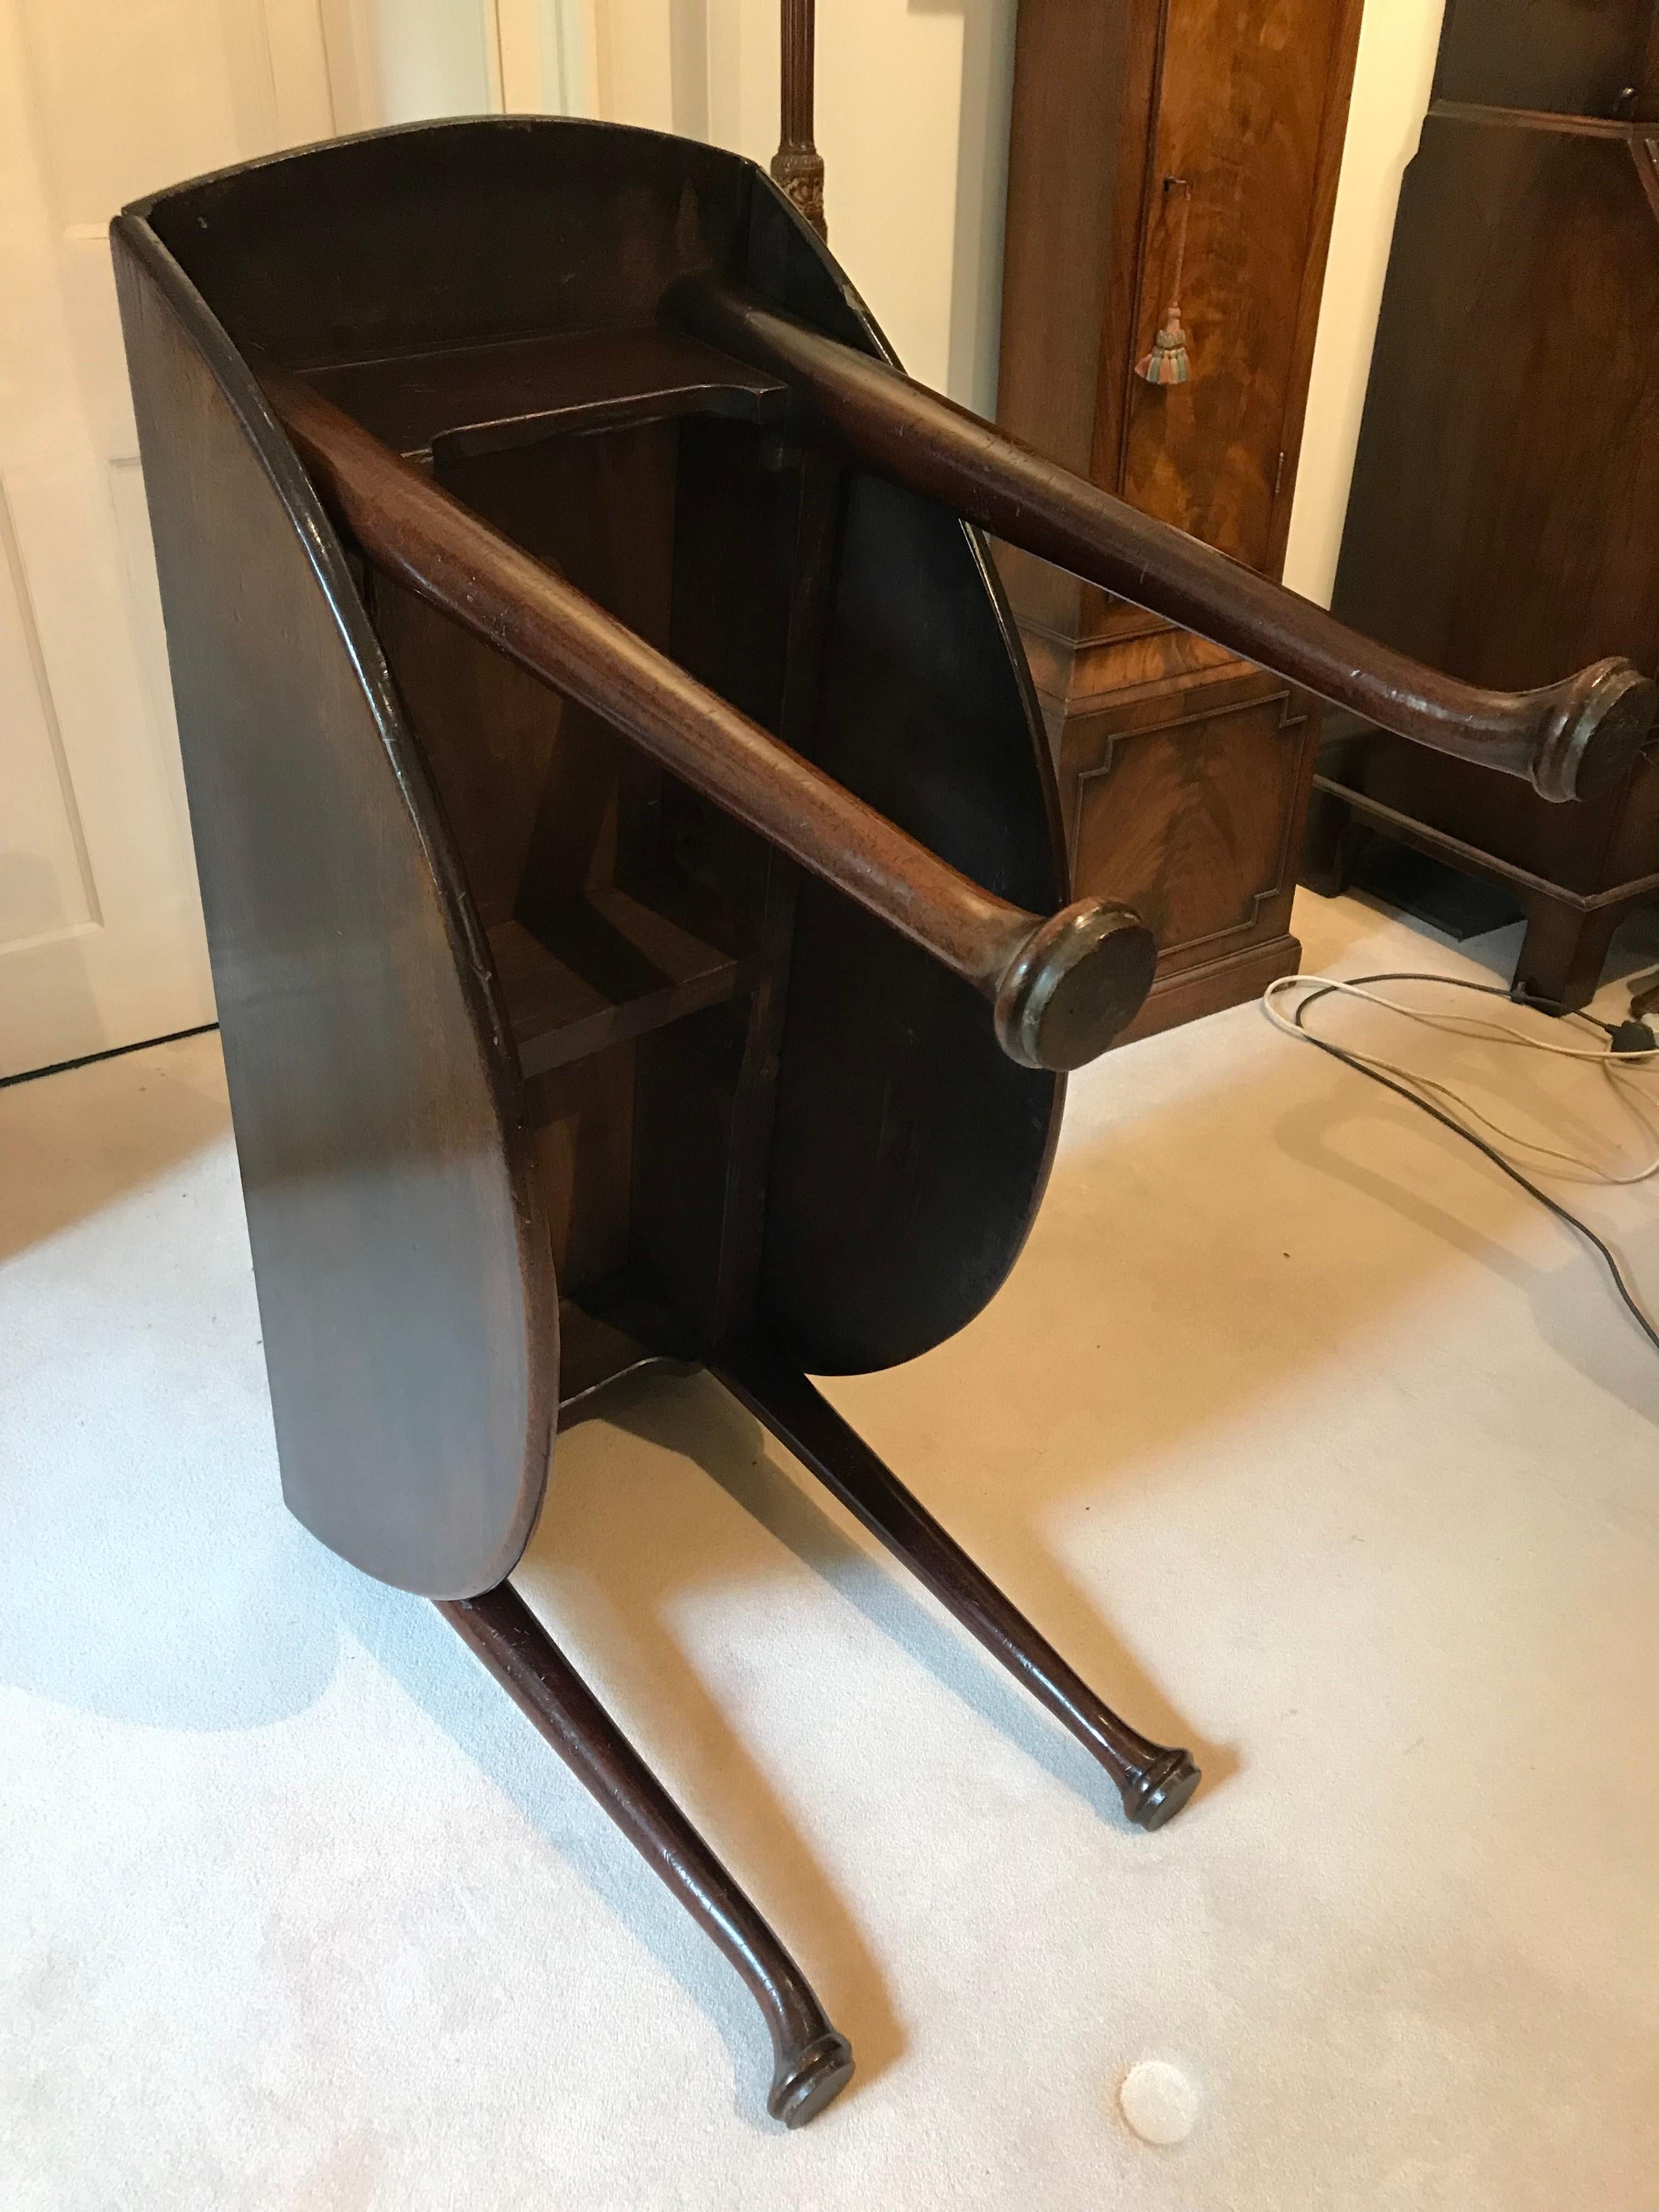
(1183, 769)
(639, 915)
(798, 166)
(1501, 519)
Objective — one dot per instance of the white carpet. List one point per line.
(1306, 1437)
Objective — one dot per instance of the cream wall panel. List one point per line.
(1392, 75)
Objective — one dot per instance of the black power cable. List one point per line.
(1449, 1121)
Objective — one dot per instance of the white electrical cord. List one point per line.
(1618, 1067)
(1458, 1025)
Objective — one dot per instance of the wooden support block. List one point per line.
(479, 398)
(604, 970)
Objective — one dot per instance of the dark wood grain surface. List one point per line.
(492, 396)
(1540, 478)
(1154, 1781)
(1062, 987)
(1570, 739)
(487, 294)
(1250, 105)
(615, 811)
(406, 1292)
(1201, 835)
(812, 2063)
(1499, 522)
(1247, 103)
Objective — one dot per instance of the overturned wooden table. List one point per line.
(629, 849)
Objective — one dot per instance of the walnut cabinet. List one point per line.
(1184, 771)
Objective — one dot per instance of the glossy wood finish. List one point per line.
(1154, 1781)
(1247, 101)
(1571, 739)
(460, 259)
(1061, 986)
(1500, 519)
(461, 401)
(620, 793)
(1188, 791)
(1208, 814)
(407, 1301)
(812, 2063)
(1517, 236)
(546, 1068)
(1249, 106)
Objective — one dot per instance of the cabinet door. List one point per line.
(1250, 101)
(1188, 807)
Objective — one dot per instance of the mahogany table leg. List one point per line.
(1154, 1782)
(813, 2063)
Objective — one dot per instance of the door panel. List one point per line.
(1240, 100)
(100, 938)
(101, 100)
(1187, 812)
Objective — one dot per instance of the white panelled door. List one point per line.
(100, 932)
(101, 100)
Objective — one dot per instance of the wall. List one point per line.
(913, 122)
(913, 101)
(1396, 65)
